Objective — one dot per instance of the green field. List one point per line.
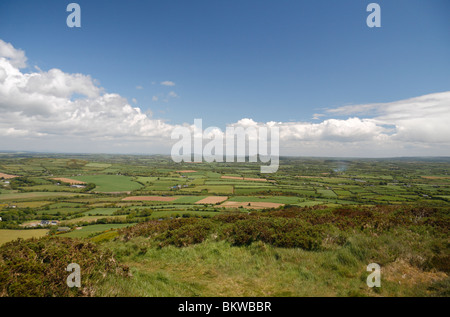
(188, 199)
(41, 195)
(110, 183)
(98, 165)
(65, 205)
(211, 189)
(90, 219)
(273, 199)
(101, 211)
(327, 193)
(179, 213)
(92, 230)
(60, 211)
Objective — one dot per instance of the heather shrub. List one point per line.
(280, 232)
(37, 267)
(192, 232)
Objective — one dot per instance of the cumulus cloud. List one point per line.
(419, 119)
(56, 111)
(15, 56)
(417, 126)
(349, 130)
(56, 104)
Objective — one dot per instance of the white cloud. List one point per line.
(420, 119)
(168, 83)
(245, 123)
(349, 130)
(317, 116)
(172, 94)
(139, 87)
(15, 56)
(57, 106)
(56, 111)
(413, 127)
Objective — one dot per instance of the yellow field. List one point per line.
(7, 235)
(32, 204)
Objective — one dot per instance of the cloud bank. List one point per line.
(60, 112)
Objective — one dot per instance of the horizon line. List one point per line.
(4, 152)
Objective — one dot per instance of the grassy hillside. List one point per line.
(293, 251)
(319, 252)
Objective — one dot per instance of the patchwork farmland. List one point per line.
(138, 188)
(120, 197)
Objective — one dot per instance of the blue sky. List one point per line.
(269, 60)
(266, 60)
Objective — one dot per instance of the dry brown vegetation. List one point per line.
(212, 200)
(69, 181)
(245, 178)
(7, 176)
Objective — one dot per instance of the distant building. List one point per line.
(48, 223)
(77, 186)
